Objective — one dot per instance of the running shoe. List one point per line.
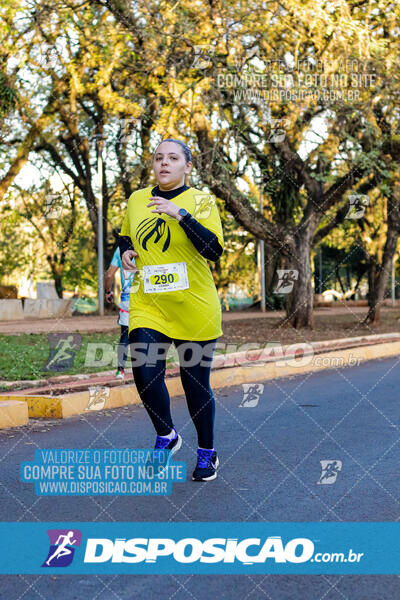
(120, 374)
(163, 443)
(163, 450)
(207, 465)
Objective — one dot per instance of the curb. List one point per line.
(13, 413)
(260, 368)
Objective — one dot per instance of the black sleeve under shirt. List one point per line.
(204, 240)
(124, 243)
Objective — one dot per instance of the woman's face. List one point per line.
(170, 166)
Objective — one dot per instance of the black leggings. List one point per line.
(150, 347)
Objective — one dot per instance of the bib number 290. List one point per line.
(165, 278)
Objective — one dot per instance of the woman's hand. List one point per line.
(126, 260)
(165, 206)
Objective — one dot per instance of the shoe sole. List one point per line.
(213, 476)
(172, 452)
(177, 446)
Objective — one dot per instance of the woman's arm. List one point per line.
(126, 249)
(204, 240)
(124, 240)
(124, 243)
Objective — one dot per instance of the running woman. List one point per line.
(174, 299)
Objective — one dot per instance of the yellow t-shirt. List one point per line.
(193, 313)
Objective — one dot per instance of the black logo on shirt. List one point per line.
(153, 226)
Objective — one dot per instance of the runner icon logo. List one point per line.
(63, 543)
(63, 347)
(277, 134)
(203, 205)
(127, 132)
(52, 208)
(329, 471)
(287, 278)
(251, 394)
(202, 56)
(98, 397)
(357, 205)
(135, 287)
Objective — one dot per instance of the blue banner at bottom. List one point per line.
(198, 547)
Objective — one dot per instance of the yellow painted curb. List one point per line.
(103, 398)
(39, 406)
(94, 399)
(13, 413)
(307, 364)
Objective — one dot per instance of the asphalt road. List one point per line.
(270, 464)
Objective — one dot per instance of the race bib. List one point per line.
(165, 278)
(123, 317)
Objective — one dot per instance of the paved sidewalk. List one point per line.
(93, 324)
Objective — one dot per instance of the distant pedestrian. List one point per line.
(123, 319)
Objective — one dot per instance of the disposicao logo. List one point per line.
(190, 550)
(63, 543)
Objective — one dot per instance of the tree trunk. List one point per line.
(360, 275)
(372, 315)
(299, 303)
(378, 275)
(270, 267)
(58, 285)
(57, 271)
(339, 279)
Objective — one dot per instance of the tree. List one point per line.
(15, 256)
(380, 263)
(236, 264)
(18, 132)
(53, 217)
(75, 113)
(159, 72)
(233, 132)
